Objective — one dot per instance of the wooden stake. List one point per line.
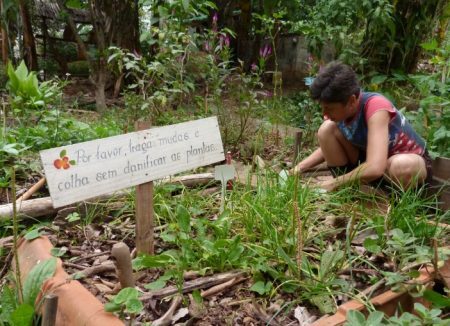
(50, 309)
(121, 253)
(297, 146)
(144, 210)
(38, 185)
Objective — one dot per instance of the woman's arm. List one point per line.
(312, 160)
(376, 154)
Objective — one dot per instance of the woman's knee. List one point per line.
(326, 130)
(407, 169)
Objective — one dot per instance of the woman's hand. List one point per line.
(327, 185)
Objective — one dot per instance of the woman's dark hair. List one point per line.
(336, 83)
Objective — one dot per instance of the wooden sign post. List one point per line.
(86, 170)
(144, 210)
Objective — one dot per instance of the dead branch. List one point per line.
(38, 185)
(95, 270)
(90, 256)
(219, 288)
(166, 319)
(257, 312)
(200, 283)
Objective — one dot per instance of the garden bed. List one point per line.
(255, 236)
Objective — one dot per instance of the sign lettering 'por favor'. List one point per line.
(89, 169)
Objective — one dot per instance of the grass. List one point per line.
(257, 232)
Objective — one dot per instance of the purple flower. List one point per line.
(207, 47)
(267, 93)
(254, 67)
(265, 51)
(214, 21)
(224, 40)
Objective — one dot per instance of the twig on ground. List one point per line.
(219, 288)
(257, 311)
(200, 283)
(166, 319)
(78, 259)
(6, 242)
(8, 261)
(95, 270)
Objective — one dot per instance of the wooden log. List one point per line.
(29, 208)
(38, 207)
(42, 206)
(199, 283)
(192, 180)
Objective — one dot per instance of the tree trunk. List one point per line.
(243, 31)
(111, 25)
(4, 36)
(100, 84)
(126, 34)
(30, 54)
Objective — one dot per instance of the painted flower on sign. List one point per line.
(63, 162)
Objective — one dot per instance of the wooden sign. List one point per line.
(89, 169)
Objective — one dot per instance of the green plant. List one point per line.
(20, 308)
(126, 302)
(423, 317)
(356, 318)
(28, 97)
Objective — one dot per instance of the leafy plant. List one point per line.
(28, 97)
(424, 316)
(126, 302)
(16, 309)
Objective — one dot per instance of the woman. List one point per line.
(364, 137)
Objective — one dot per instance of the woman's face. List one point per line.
(338, 112)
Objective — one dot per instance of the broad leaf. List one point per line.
(375, 318)
(147, 261)
(185, 5)
(23, 315)
(156, 285)
(437, 299)
(8, 304)
(134, 306)
(22, 72)
(324, 302)
(33, 234)
(355, 318)
(329, 261)
(39, 273)
(261, 287)
(112, 307)
(126, 294)
(184, 219)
